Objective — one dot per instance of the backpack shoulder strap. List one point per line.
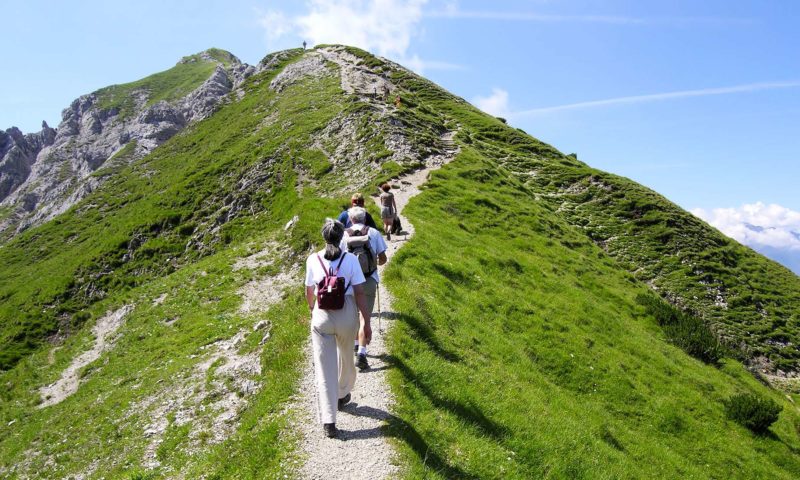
(339, 265)
(327, 274)
(347, 284)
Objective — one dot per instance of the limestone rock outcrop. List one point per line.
(43, 174)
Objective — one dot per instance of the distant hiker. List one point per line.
(397, 101)
(367, 244)
(334, 288)
(304, 45)
(357, 200)
(388, 209)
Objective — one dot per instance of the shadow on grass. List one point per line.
(425, 334)
(769, 434)
(468, 413)
(402, 430)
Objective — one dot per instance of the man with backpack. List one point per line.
(357, 200)
(368, 246)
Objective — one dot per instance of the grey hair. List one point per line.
(357, 214)
(332, 232)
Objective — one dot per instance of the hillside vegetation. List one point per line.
(522, 350)
(751, 302)
(167, 86)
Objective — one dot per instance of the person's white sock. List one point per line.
(362, 350)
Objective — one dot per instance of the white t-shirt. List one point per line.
(376, 243)
(350, 270)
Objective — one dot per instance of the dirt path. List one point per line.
(363, 452)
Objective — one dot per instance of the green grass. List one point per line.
(134, 244)
(692, 264)
(5, 211)
(315, 162)
(167, 86)
(117, 162)
(752, 302)
(143, 225)
(366, 59)
(521, 352)
(152, 358)
(172, 222)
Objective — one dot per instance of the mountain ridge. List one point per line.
(43, 174)
(519, 349)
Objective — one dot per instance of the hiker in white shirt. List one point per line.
(333, 331)
(377, 248)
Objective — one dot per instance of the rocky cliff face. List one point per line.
(43, 174)
(18, 153)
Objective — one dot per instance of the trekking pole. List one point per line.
(380, 329)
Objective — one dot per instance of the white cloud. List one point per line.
(495, 104)
(383, 26)
(751, 87)
(275, 24)
(757, 225)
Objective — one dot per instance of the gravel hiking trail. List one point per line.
(362, 450)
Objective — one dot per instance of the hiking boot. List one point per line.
(388, 236)
(361, 363)
(344, 401)
(355, 349)
(330, 431)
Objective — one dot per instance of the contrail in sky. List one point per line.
(454, 13)
(656, 97)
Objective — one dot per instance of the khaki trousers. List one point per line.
(332, 336)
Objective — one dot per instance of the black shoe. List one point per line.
(344, 401)
(361, 363)
(330, 430)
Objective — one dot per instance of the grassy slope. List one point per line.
(168, 85)
(192, 182)
(521, 352)
(526, 355)
(692, 264)
(148, 211)
(541, 365)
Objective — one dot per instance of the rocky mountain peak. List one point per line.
(217, 55)
(43, 174)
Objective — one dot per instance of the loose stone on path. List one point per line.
(363, 450)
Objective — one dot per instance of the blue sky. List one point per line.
(698, 100)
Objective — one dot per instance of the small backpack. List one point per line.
(358, 245)
(331, 289)
(397, 227)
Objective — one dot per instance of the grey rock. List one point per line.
(18, 153)
(43, 174)
(291, 222)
